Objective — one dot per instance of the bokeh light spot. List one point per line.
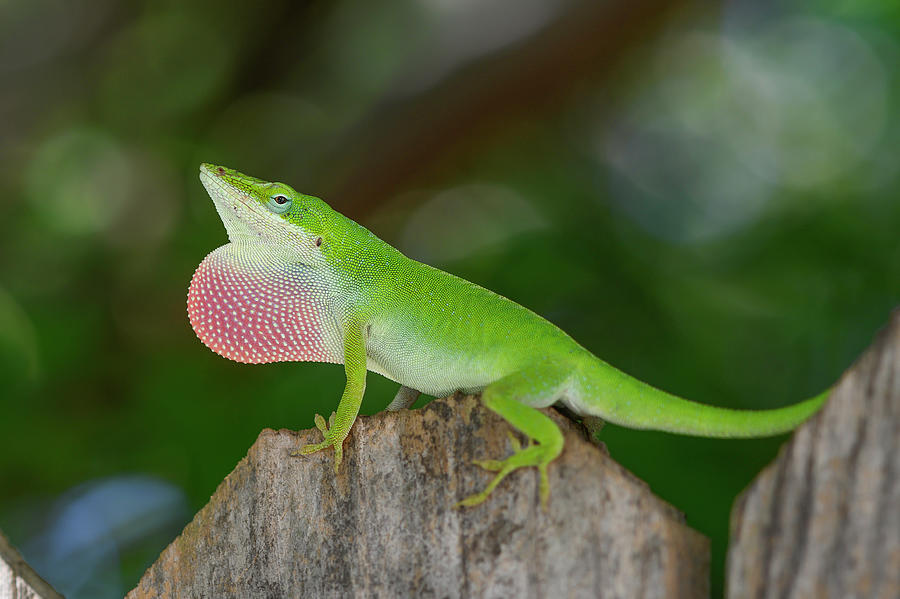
(76, 181)
(487, 214)
(163, 66)
(730, 118)
(83, 182)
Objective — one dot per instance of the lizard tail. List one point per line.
(621, 399)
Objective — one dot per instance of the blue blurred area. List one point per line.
(703, 194)
(89, 531)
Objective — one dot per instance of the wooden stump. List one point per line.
(823, 520)
(281, 526)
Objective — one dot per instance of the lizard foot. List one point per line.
(331, 440)
(531, 455)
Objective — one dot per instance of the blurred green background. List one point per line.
(705, 195)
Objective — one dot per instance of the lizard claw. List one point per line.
(490, 465)
(514, 441)
(531, 455)
(329, 441)
(320, 424)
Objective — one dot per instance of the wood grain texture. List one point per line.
(17, 579)
(385, 526)
(823, 520)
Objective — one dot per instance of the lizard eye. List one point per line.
(279, 204)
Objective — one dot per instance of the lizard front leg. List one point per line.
(340, 423)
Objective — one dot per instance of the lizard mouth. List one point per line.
(242, 216)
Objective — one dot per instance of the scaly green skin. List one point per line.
(299, 281)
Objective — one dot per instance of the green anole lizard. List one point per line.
(298, 281)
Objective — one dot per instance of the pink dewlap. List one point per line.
(254, 315)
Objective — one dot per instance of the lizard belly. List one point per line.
(431, 370)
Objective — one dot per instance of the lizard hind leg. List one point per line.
(513, 398)
(405, 398)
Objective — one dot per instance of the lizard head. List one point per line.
(261, 213)
(264, 297)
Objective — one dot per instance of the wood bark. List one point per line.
(385, 525)
(823, 520)
(17, 579)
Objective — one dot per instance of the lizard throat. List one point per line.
(255, 314)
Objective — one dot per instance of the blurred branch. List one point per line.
(388, 150)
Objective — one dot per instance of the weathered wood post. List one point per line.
(385, 526)
(823, 520)
(17, 579)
